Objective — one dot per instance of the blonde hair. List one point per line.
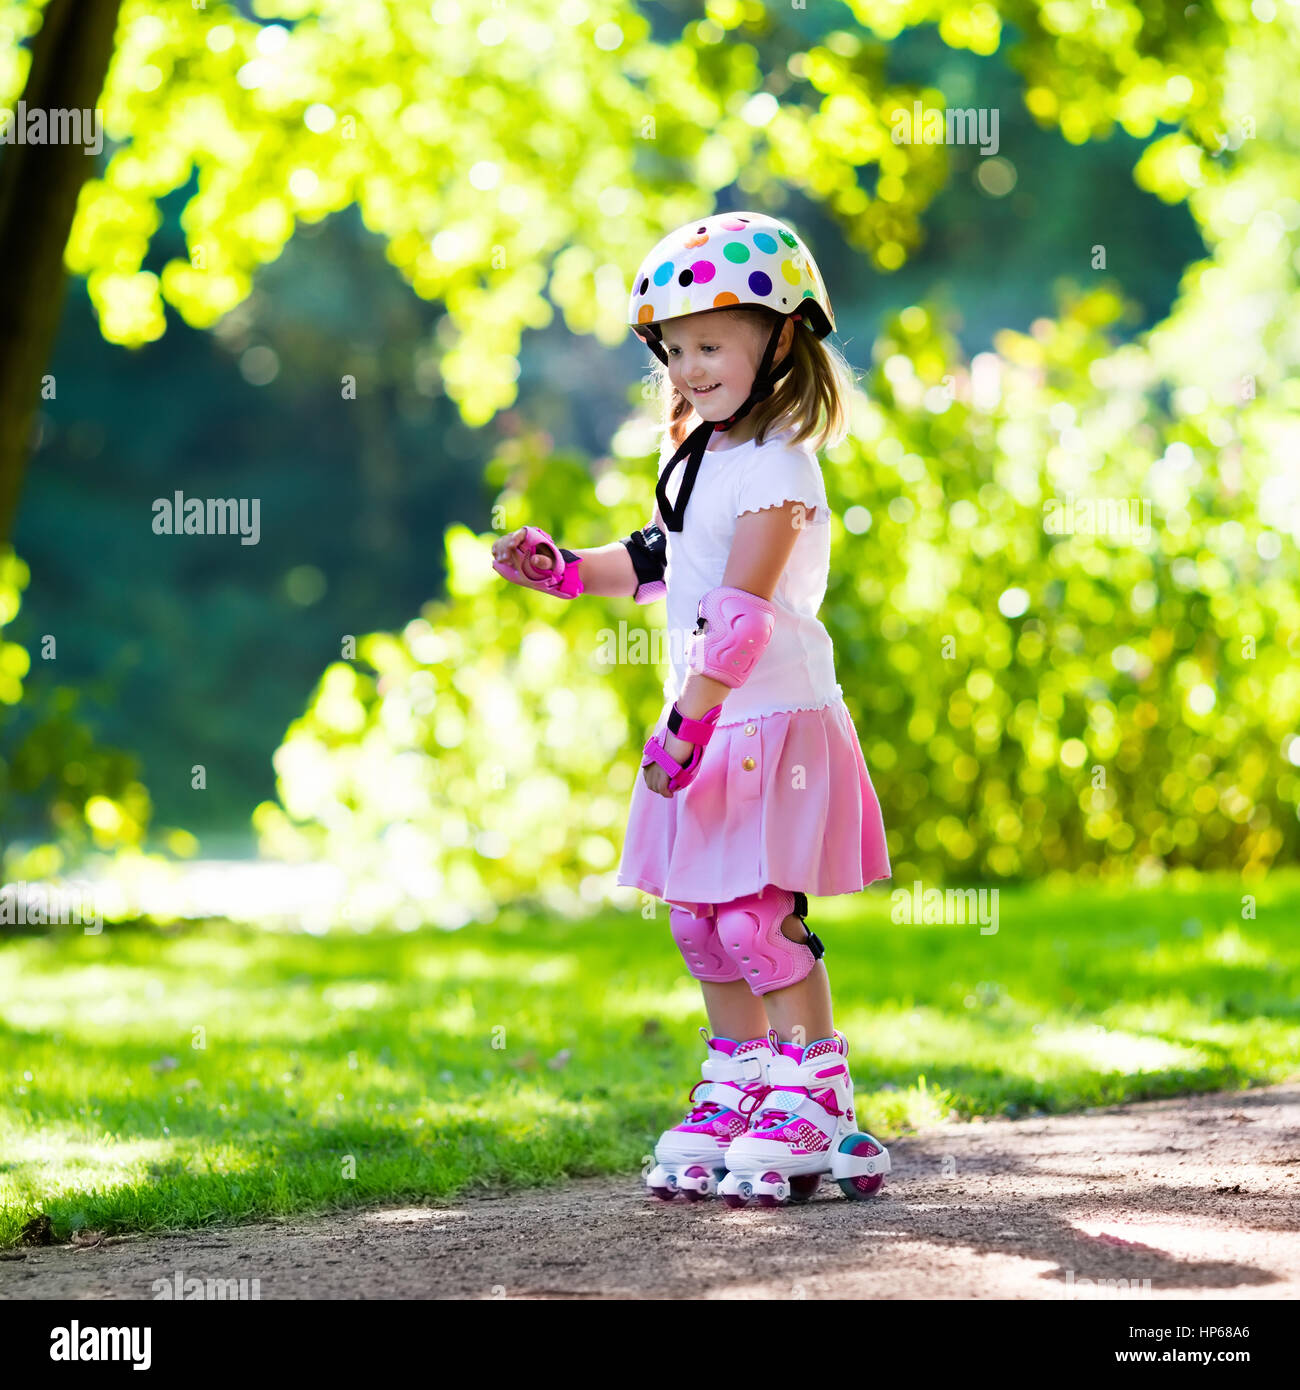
(812, 396)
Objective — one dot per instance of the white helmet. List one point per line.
(726, 261)
(722, 262)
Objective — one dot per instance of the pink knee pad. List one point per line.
(750, 931)
(697, 939)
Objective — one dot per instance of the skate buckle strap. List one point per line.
(715, 1093)
(746, 1069)
(785, 1103)
(785, 1099)
(701, 1109)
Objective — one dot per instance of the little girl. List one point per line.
(755, 792)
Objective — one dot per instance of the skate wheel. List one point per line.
(864, 1185)
(733, 1199)
(803, 1185)
(665, 1194)
(767, 1200)
(858, 1189)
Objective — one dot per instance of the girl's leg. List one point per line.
(734, 1010)
(806, 1004)
(792, 985)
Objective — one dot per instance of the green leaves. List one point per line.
(56, 780)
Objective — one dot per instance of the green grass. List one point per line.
(377, 1051)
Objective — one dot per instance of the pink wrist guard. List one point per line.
(697, 731)
(562, 580)
(733, 631)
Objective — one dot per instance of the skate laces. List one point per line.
(705, 1109)
(708, 1108)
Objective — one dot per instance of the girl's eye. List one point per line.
(708, 347)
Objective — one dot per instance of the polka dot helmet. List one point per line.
(719, 262)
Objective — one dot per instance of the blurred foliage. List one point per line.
(641, 115)
(225, 134)
(55, 779)
(452, 124)
(1135, 714)
(1029, 702)
(167, 639)
(470, 758)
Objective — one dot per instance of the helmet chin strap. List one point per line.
(693, 446)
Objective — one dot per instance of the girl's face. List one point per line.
(712, 358)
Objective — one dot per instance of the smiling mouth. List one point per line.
(704, 390)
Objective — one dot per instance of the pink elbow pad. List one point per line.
(733, 631)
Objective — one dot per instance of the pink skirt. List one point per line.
(784, 799)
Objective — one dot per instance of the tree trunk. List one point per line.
(39, 185)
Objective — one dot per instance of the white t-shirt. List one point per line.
(797, 668)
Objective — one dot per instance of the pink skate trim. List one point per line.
(786, 1124)
(832, 1071)
(796, 1131)
(712, 1118)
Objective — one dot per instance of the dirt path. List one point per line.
(1199, 1195)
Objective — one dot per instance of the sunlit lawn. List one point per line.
(222, 1074)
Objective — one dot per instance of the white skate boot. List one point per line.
(803, 1127)
(691, 1157)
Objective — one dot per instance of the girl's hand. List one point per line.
(506, 551)
(655, 777)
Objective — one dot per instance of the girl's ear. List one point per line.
(785, 342)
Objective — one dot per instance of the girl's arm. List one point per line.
(609, 570)
(760, 551)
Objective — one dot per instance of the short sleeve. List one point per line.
(779, 474)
